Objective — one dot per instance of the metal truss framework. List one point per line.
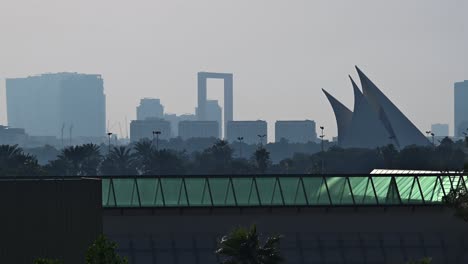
(278, 190)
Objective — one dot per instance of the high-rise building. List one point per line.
(252, 132)
(198, 129)
(440, 130)
(48, 104)
(150, 108)
(202, 107)
(295, 131)
(461, 108)
(143, 129)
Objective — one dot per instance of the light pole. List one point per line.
(157, 133)
(433, 142)
(322, 136)
(261, 139)
(240, 146)
(109, 134)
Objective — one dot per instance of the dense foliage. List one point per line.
(142, 158)
(243, 246)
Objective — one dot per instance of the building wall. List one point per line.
(249, 130)
(150, 108)
(143, 129)
(33, 104)
(175, 119)
(461, 108)
(43, 104)
(440, 130)
(198, 129)
(83, 105)
(311, 235)
(296, 131)
(49, 218)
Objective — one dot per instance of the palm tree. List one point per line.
(120, 161)
(262, 158)
(14, 162)
(215, 159)
(81, 160)
(143, 155)
(242, 246)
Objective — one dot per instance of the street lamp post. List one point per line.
(109, 134)
(322, 136)
(433, 142)
(240, 146)
(429, 134)
(261, 139)
(157, 133)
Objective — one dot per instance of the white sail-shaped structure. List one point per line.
(375, 120)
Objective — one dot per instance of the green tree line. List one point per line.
(143, 158)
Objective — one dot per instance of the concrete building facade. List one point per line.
(295, 131)
(143, 129)
(440, 130)
(198, 129)
(248, 130)
(46, 104)
(150, 108)
(460, 108)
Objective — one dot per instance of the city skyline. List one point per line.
(141, 52)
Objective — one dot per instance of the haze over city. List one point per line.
(281, 53)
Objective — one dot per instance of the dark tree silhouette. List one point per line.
(103, 251)
(143, 154)
(81, 160)
(262, 159)
(14, 162)
(120, 161)
(243, 246)
(216, 159)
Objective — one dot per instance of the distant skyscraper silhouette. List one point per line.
(198, 129)
(150, 108)
(461, 108)
(143, 129)
(43, 104)
(375, 122)
(249, 130)
(295, 131)
(202, 95)
(440, 130)
(214, 112)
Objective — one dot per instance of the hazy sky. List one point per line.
(281, 52)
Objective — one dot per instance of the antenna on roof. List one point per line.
(120, 129)
(63, 127)
(71, 130)
(126, 128)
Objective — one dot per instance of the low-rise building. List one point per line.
(251, 132)
(143, 129)
(198, 129)
(295, 131)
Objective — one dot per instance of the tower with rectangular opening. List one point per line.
(202, 95)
